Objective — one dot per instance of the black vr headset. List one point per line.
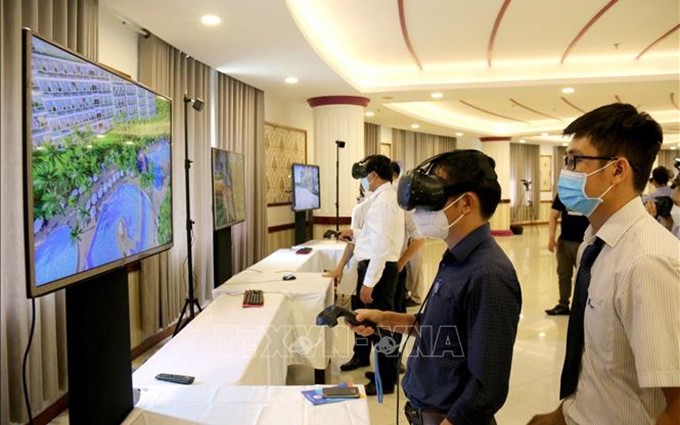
(420, 189)
(359, 170)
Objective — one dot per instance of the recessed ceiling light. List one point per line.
(291, 80)
(437, 95)
(415, 125)
(210, 20)
(460, 134)
(522, 141)
(568, 90)
(369, 113)
(545, 134)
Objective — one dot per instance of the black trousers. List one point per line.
(384, 295)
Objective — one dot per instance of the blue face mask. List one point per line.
(365, 183)
(571, 188)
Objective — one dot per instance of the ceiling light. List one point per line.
(522, 141)
(437, 95)
(545, 134)
(210, 20)
(369, 113)
(291, 80)
(460, 134)
(415, 125)
(568, 90)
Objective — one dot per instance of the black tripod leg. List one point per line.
(179, 326)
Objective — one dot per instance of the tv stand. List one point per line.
(303, 226)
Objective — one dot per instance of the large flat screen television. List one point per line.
(229, 191)
(97, 170)
(305, 187)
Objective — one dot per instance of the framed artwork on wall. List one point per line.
(545, 172)
(386, 149)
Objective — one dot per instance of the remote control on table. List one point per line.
(177, 379)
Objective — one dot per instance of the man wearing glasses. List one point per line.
(622, 361)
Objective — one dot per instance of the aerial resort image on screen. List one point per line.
(101, 165)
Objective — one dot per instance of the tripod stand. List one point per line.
(191, 300)
(339, 144)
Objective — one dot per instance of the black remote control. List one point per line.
(177, 379)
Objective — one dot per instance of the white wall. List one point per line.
(295, 115)
(468, 143)
(118, 47)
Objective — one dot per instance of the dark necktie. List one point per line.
(572, 359)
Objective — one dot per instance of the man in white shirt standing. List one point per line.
(622, 363)
(377, 247)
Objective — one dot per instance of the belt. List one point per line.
(425, 416)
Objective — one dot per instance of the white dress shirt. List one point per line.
(410, 229)
(631, 323)
(382, 235)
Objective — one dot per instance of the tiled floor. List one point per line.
(539, 349)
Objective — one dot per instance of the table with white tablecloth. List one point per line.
(305, 296)
(226, 344)
(172, 404)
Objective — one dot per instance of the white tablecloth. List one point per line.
(305, 296)
(172, 404)
(226, 344)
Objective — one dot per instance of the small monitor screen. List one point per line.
(98, 167)
(305, 187)
(229, 194)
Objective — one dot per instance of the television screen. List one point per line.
(229, 192)
(305, 187)
(97, 149)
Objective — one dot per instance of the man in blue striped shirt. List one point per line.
(459, 369)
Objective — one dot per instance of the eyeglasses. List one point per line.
(570, 160)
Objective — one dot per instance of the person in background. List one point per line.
(572, 227)
(672, 221)
(459, 369)
(377, 247)
(409, 261)
(659, 180)
(622, 361)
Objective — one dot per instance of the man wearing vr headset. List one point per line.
(459, 369)
(377, 246)
(622, 360)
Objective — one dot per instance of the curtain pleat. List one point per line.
(413, 148)
(240, 128)
(164, 278)
(371, 139)
(72, 23)
(524, 164)
(667, 158)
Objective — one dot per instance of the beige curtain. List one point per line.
(72, 23)
(163, 278)
(667, 158)
(413, 148)
(240, 128)
(371, 139)
(524, 164)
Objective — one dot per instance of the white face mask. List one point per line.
(434, 224)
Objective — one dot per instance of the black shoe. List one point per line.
(402, 369)
(558, 310)
(370, 375)
(355, 363)
(370, 389)
(410, 302)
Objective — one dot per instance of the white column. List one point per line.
(338, 118)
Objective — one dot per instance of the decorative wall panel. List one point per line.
(284, 146)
